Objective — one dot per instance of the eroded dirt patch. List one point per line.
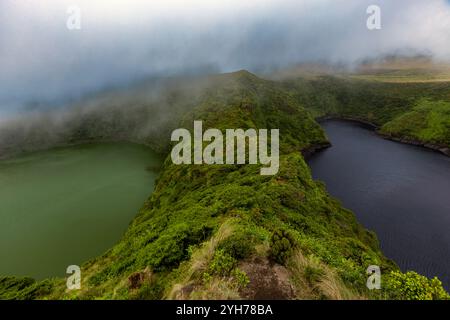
(268, 281)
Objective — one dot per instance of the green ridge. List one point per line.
(205, 228)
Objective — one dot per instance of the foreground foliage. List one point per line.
(413, 286)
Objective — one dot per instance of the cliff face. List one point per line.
(225, 231)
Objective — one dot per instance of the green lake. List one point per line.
(67, 205)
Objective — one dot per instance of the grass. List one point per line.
(428, 121)
(315, 280)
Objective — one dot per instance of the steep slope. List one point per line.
(225, 231)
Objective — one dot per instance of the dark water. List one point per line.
(401, 192)
(65, 206)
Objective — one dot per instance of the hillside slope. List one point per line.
(412, 112)
(225, 231)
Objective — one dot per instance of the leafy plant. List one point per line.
(222, 263)
(238, 245)
(413, 286)
(282, 245)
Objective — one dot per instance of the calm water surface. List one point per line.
(64, 206)
(401, 192)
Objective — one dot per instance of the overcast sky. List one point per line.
(122, 40)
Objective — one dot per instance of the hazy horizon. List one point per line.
(43, 61)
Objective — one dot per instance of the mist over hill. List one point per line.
(145, 113)
(43, 63)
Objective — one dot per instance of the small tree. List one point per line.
(282, 244)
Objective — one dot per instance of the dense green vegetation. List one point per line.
(416, 111)
(428, 121)
(413, 286)
(205, 228)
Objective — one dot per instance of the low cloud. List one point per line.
(42, 62)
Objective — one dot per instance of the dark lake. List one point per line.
(401, 192)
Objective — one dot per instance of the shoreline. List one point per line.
(315, 148)
(442, 149)
(16, 154)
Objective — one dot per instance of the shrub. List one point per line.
(239, 245)
(241, 277)
(413, 286)
(282, 244)
(225, 266)
(222, 264)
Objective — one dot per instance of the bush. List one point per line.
(172, 246)
(222, 264)
(282, 245)
(239, 245)
(413, 286)
(241, 277)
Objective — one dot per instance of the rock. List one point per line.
(267, 281)
(445, 150)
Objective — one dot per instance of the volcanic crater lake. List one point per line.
(67, 205)
(401, 192)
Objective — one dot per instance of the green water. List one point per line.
(65, 206)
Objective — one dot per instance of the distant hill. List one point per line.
(406, 99)
(395, 69)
